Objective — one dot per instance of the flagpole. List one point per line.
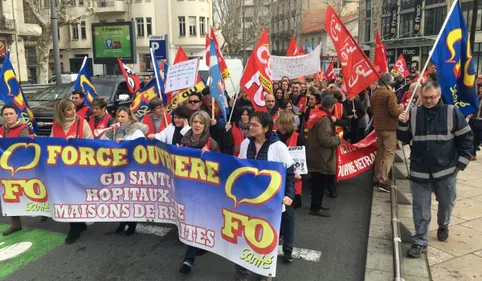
(430, 54)
(83, 63)
(156, 74)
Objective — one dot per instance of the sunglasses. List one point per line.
(194, 101)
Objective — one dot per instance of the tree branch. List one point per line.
(65, 19)
(36, 14)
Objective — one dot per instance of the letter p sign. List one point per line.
(158, 46)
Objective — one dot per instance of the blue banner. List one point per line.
(453, 59)
(219, 203)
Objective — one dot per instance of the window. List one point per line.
(140, 27)
(386, 7)
(72, 2)
(367, 30)
(368, 9)
(406, 25)
(467, 11)
(209, 24)
(192, 26)
(407, 4)
(83, 32)
(182, 26)
(434, 19)
(75, 31)
(81, 3)
(431, 2)
(58, 33)
(47, 4)
(149, 26)
(386, 20)
(202, 26)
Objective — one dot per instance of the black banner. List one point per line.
(394, 18)
(417, 20)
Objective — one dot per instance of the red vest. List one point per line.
(75, 131)
(292, 141)
(164, 123)
(101, 125)
(238, 138)
(13, 132)
(82, 112)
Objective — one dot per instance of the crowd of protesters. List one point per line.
(316, 114)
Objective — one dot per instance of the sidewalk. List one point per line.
(459, 258)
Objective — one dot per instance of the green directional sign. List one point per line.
(24, 246)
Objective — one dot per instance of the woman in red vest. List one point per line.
(101, 119)
(68, 125)
(13, 128)
(235, 134)
(157, 120)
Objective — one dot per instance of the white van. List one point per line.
(236, 69)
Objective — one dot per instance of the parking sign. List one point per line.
(158, 45)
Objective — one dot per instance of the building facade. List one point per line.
(185, 21)
(410, 27)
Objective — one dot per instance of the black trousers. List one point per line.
(319, 183)
(476, 141)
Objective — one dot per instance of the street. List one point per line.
(326, 248)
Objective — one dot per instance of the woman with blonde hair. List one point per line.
(68, 125)
(126, 128)
(197, 137)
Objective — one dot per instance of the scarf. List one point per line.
(244, 128)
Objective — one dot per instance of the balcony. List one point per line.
(110, 6)
(7, 25)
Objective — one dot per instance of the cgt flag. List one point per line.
(256, 80)
(401, 66)
(11, 93)
(380, 60)
(292, 48)
(452, 57)
(132, 80)
(330, 74)
(357, 69)
(84, 84)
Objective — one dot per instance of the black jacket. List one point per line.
(263, 155)
(442, 141)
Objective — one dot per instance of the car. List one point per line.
(113, 89)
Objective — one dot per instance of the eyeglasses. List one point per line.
(430, 97)
(194, 101)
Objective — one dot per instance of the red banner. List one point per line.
(354, 159)
(401, 66)
(357, 69)
(256, 80)
(292, 48)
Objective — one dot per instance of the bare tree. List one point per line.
(229, 15)
(65, 16)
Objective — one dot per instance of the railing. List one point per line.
(396, 236)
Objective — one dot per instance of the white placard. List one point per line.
(182, 75)
(298, 154)
(295, 67)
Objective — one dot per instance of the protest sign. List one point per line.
(183, 96)
(354, 159)
(233, 209)
(295, 67)
(182, 75)
(298, 154)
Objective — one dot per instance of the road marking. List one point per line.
(303, 254)
(14, 250)
(153, 229)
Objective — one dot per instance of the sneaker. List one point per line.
(288, 257)
(416, 250)
(383, 188)
(442, 234)
(325, 208)
(474, 158)
(185, 268)
(320, 213)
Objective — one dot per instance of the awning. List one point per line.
(405, 42)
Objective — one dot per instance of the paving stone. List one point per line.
(462, 241)
(466, 268)
(468, 209)
(475, 225)
(436, 256)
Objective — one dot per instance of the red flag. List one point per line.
(302, 51)
(320, 76)
(380, 60)
(292, 48)
(356, 67)
(133, 81)
(401, 66)
(256, 80)
(354, 159)
(330, 74)
(222, 63)
(180, 56)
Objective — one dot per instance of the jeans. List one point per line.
(288, 228)
(445, 193)
(190, 256)
(320, 182)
